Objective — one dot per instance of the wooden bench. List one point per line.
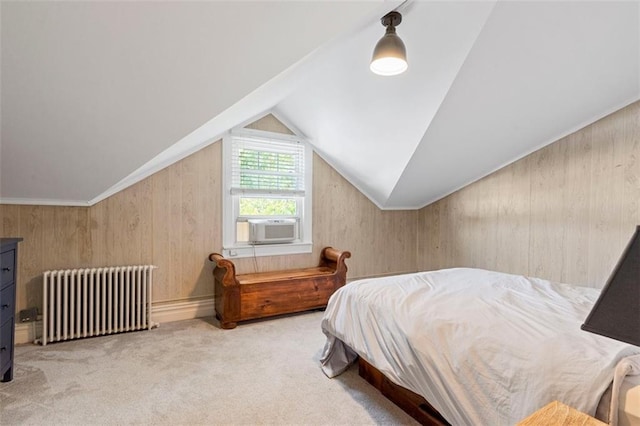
(251, 296)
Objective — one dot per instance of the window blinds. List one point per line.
(267, 167)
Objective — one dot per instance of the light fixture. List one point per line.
(616, 313)
(389, 55)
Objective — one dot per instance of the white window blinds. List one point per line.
(263, 167)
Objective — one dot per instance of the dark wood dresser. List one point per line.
(8, 266)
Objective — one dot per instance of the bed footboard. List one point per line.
(410, 402)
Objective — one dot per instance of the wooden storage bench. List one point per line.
(251, 296)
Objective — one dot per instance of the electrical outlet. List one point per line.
(29, 314)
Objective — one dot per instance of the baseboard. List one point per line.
(26, 332)
(178, 311)
(162, 312)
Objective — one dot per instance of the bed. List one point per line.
(482, 347)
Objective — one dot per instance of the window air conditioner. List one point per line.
(270, 231)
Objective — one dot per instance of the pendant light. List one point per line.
(389, 55)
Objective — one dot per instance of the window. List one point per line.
(267, 181)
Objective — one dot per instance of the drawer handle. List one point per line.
(6, 269)
(2, 349)
(5, 306)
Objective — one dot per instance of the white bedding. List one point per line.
(484, 348)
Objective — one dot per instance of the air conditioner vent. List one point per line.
(272, 231)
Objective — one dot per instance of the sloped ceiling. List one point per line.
(96, 96)
(91, 91)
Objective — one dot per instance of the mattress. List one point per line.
(481, 346)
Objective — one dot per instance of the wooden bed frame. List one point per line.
(410, 402)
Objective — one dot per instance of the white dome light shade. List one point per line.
(390, 54)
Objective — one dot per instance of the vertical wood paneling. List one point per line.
(32, 253)
(487, 197)
(54, 237)
(512, 223)
(564, 213)
(63, 238)
(270, 124)
(10, 225)
(190, 256)
(606, 201)
(210, 214)
(166, 241)
(429, 239)
(575, 201)
(631, 173)
(547, 206)
(121, 227)
(381, 242)
(447, 241)
(198, 192)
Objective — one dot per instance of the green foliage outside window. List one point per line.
(251, 206)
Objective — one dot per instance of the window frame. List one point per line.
(230, 202)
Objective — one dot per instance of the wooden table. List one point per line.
(558, 414)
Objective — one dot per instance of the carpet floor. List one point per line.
(192, 373)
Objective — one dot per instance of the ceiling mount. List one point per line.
(392, 18)
(389, 55)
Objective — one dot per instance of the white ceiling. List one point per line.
(97, 95)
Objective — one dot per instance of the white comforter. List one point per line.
(484, 348)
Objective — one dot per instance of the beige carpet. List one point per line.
(191, 372)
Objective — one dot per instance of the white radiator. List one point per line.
(89, 302)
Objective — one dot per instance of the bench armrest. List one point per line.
(225, 270)
(334, 259)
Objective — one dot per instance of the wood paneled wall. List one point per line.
(54, 238)
(173, 220)
(563, 213)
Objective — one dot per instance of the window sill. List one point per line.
(267, 250)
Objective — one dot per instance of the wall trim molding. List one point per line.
(183, 310)
(43, 202)
(163, 312)
(26, 332)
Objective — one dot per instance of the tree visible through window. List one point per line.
(250, 206)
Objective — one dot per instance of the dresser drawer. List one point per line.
(7, 303)
(6, 343)
(7, 263)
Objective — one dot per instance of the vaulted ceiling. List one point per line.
(98, 95)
